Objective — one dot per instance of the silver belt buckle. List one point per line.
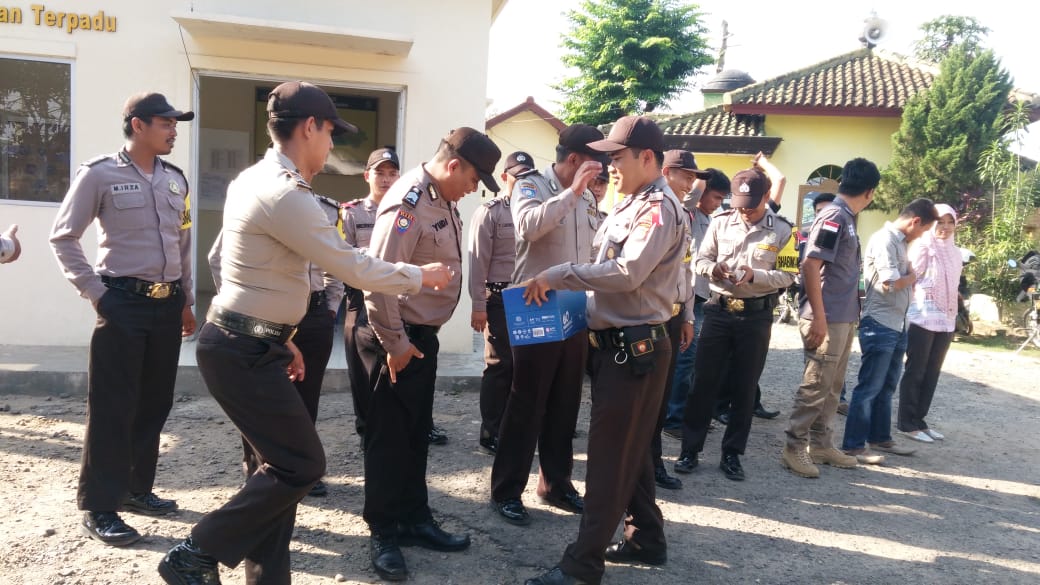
(160, 290)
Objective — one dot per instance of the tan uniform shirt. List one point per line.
(492, 248)
(736, 243)
(273, 230)
(639, 261)
(416, 225)
(699, 228)
(358, 217)
(319, 279)
(552, 225)
(144, 227)
(684, 293)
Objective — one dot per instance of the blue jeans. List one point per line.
(870, 411)
(683, 380)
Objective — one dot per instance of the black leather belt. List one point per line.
(319, 299)
(420, 331)
(152, 290)
(251, 326)
(698, 299)
(613, 338)
(743, 305)
(497, 287)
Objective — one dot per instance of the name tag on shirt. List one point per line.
(126, 188)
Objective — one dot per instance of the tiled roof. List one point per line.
(863, 82)
(715, 121)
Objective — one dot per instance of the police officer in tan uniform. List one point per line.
(492, 255)
(555, 218)
(141, 288)
(357, 218)
(738, 256)
(273, 230)
(417, 221)
(313, 334)
(633, 289)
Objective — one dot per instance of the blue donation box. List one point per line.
(560, 317)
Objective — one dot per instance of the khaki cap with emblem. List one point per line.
(683, 160)
(748, 188)
(299, 99)
(382, 155)
(148, 104)
(478, 150)
(632, 132)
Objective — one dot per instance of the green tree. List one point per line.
(944, 131)
(630, 56)
(945, 33)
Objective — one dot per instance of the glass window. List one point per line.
(35, 98)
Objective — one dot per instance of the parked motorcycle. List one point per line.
(1029, 276)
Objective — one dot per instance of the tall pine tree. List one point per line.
(944, 131)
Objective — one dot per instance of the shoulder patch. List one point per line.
(404, 221)
(528, 189)
(95, 160)
(492, 203)
(411, 198)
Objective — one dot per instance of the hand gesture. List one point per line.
(295, 370)
(396, 363)
(478, 320)
(436, 275)
(536, 289)
(588, 170)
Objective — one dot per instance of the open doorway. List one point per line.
(231, 136)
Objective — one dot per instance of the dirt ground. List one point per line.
(962, 511)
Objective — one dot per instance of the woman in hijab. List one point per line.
(932, 315)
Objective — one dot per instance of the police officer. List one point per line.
(556, 220)
(417, 220)
(357, 218)
(141, 288)
(492, 252)
(738, 256)
(633, 288)
(273, 230)
(313, 335)
(599, 186)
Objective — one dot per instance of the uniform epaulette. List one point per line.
(170, 166)
(785, 220)
(327, 201)
(411, 198)
(528, 173)
(492, 203)
(729, 211)
(96, 160)
(350, 204)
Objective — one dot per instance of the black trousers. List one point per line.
(925, 354)
(314, 340)
(360, 378)
(541, 412)
(247, 378)
(674, 333)
(397, 433)
(732, 348)
(620, 478)
(131, 373)
(498, 367)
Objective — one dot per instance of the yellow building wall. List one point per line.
(527, 132)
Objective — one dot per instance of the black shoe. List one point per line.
(555, 577)
(686, 463)
(438, 436)
(149, 504)
(387, 559)
(513, 511)
(185, 564)
(626, 552)
(730, 465)
(570, 502)
(761, 412)
(109, 528)
(320, 490)
(489, 445)
(723, 418)
(673, 432)
(666, 481)
(430, 535)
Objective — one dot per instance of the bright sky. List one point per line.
(767, 39)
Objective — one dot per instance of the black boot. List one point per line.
(186, 564)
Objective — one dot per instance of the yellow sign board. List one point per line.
(787, 259)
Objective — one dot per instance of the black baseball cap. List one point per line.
(382, 155)
(299, 99)
(143, 105)
(748, 188)
(478, 150)
(576, 138)
(519, 163)
(632, 132)
(684, 160)
(604, 172)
